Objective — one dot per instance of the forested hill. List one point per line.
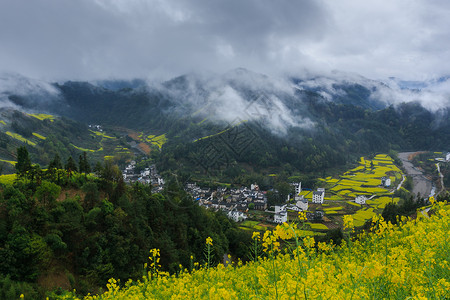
(70, 230)
(253, 119)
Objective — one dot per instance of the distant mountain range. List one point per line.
(310, 123)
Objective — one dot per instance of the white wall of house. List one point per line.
(280, 217)
(360, 199)
(318, 197)
(279, 209)
(302, 204)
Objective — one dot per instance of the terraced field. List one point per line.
(365, 180)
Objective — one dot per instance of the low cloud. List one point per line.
(33, 90)
(238, 95)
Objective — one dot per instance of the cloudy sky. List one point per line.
(96, 39)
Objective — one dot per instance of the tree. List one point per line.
(23, 161)
(71, 166)
(98, 169)
(55, 163)
(111, 172)
(47, 193)
(92, 195)
(84, 166)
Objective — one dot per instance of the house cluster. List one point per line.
(300, 204)
(96, 127)
(235, 201)
(147, 176)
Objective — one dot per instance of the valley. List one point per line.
(113, 173)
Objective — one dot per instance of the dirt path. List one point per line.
(421, 184)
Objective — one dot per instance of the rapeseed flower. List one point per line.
(406, 261)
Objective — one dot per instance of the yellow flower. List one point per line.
(308, 242)
(348, 222)
(302, 216)
(209, 241)
(256, 236)
(432, 200)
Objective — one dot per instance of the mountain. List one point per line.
(48, 135)
(240, 121)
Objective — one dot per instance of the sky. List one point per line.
(122, 39)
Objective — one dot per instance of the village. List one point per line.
(148, 176)
(242, 203)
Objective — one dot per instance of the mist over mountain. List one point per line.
(231, 93)
(311, 122)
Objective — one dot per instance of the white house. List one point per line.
(318, 196)
(447, 157)
(236, 215)
(280, 208)
(280, 214)
(146, 172)
(254, 187)
(302, 203)
(386, 181)
(280, 217)
(360, 199)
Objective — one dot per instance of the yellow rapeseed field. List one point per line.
(407, 261)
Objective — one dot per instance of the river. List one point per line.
(422, 185)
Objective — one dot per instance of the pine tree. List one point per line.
(71, 166)
(80, 163)
(87, 166)
(84, 166)
(55, 163)
(23, 161)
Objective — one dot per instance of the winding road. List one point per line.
(422, 185)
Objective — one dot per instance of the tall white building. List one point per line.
(318, 196)
(297, 186)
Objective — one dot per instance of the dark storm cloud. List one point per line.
(135, 38)
(91, 39)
